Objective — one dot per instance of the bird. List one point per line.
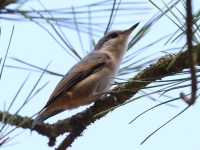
(90, 78)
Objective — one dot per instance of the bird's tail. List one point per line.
(43, 115)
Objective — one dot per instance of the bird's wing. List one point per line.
(87, 66)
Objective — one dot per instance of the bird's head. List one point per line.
(115, 41)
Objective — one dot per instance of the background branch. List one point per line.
(191, 55)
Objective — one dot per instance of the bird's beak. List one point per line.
(130, 30)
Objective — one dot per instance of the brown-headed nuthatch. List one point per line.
(87, 80)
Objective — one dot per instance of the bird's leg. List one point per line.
(99, 94)
(108, 92)
(113, 94)
(115, 98)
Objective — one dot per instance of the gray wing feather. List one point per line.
(88, 65)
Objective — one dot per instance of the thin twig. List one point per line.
(7, 51)
(110, 19)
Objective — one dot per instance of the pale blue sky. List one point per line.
(32, 44)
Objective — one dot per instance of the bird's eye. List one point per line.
(114, 35)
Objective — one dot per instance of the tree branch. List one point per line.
(191, 55)
(76, 124)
